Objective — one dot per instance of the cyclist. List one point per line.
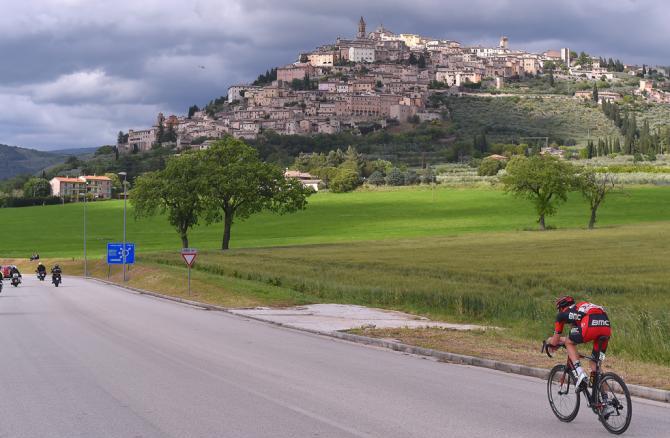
(589, 322)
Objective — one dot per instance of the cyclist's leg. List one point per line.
(571, 341)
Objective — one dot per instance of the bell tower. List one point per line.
(361, 29)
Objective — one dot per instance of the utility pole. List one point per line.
(85, 259)
(125, 197)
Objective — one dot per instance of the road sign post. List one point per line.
(117, 256)
(189, 255)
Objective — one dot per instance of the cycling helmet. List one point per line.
(564, 301)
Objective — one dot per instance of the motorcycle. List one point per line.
(16, 280)
(41, 275)
(56, 279)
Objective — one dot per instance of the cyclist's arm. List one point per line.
(561, 319)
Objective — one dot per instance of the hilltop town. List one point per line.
(377, 77)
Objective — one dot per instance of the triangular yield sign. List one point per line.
(189, 258)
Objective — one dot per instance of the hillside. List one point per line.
(17, 161)
(505, 119)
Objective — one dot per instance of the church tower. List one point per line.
(361, 29)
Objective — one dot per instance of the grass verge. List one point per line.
(497, 345)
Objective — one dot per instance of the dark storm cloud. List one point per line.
(75, 72)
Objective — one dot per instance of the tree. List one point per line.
(573, 56)
(595, 188)
(376, 179)
(544, 180)
(595, 92)
(583, 59)
(346, 180)
(104, 150)
(160, 133)
(174, 191)
(36, 188)
(117, 186)
(412, 59)
(480, 143)
(395, 177)
(239, 184)
(121, 138)
(192, 110)
(551, 78)
(422, 61)
(170, 136)
(490, 167)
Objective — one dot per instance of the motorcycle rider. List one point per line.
(41, 269)
(15, 276)
(56, 270)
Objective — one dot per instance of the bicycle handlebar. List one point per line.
(546, 348)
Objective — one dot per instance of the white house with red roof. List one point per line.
(66, 187)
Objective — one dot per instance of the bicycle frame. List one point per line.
(591, 396)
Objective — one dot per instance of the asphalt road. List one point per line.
(90, 360)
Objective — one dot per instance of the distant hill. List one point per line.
(77, 152)
(16, 161)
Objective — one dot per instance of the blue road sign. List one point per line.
(115, 253)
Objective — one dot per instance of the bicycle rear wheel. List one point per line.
(561, 390)
(616, 409)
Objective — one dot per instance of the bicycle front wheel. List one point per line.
(615, 406)
(561, 390)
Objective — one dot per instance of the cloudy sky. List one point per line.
(75, 72)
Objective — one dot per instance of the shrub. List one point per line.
(411, 177)
(490, 167)
(29, 202)
(376, 178)
(345, 180)
(395, 177)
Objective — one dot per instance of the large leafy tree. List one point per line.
(174, 191)
(544, 180)
(238, 184)
(36, 188)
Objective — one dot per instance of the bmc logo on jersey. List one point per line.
(600, 323)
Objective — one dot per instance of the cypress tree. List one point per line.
(617, 145)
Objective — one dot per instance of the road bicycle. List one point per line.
(606, 393)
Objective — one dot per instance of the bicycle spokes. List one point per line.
(614, 403)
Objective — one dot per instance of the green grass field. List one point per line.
(57, 231)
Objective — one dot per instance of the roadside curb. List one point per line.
(660, 395)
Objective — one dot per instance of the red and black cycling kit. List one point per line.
(589, 322)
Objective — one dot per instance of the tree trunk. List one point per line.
(184, 240)
(541, 221)
(227, 225)
(592, 221)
